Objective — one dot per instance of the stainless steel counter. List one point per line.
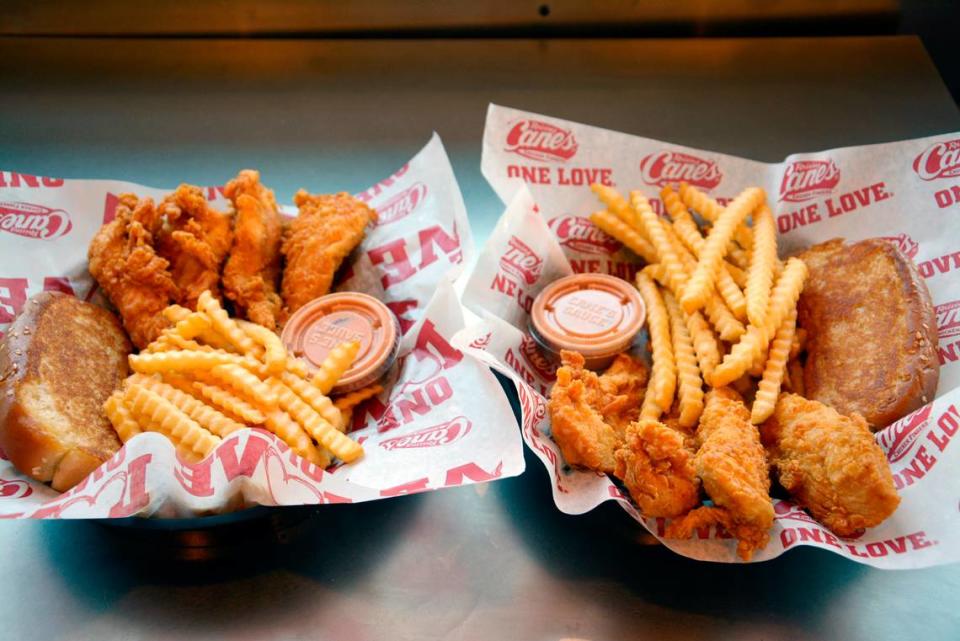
(495, 562)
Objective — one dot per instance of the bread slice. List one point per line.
(872, 346)
(59, 361)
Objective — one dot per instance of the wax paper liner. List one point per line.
(542, 166)
(429, 429)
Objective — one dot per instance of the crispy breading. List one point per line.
(872, 331)
(317, 241)
(657, 468)
(131, 274)
(251, 275)
(830, 464)
(585, 439)
(195, 241)
(733, 467)
(623, 385)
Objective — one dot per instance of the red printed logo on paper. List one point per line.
(948, 319)
(539, 140)
(806, 179)
(899, 437)
(672, 167)
(34, 221)
(521, 261)
(907, 245)
(481, 342)
(442, 434)
(536, 360)
(401, 205)
(15, 489)
(579, 234)
(940, 160)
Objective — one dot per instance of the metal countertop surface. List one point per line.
(496, 561)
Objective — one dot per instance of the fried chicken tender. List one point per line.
(195, 241)
(585, 439)
(732, 465)
(830, 464)
(328, 228)
(135, 279)
(623, 385)
(657, 468)
(252, 272)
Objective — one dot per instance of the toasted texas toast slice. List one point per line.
(60, 360)
(872, 345)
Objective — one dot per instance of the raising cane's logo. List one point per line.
(579, 234)
(948, 319)
(521, 261)
(539, 140)
(536, 360)
(33, 221)
(806, 179)
(442, 434)
(907, 245)
(672, 167)
(401, 205)
(899, 437)
(940, 160)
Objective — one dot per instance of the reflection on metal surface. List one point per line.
(245, 17)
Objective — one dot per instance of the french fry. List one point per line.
(225, 325)
(192, 325)
(291, 433)
(796, 376)
(762, 262)
(179, 342)
(348, 401)
(343, 447)
(782, 300)
(225, 400)
(711, 210)
(738, 275)
(689, 383)
(619, 207)
(687, 232)
(631, 238)
(177, 313)
(705, 274)
(312, 396)
(704, 342)
(338, 361)
(769, 387)
(656, 232)
(155, 412)
(274, 353)
(152, 363)
(345, 418)
(663, 378)
(206, 416)
(120, 417)
(649, 409)
(247, 385)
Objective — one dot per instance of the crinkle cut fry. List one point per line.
(336, 363)
(154, 411)
(716, 246)
(663, 379)
(762, 262)
(342, 446)
(205, 415)
(769, 387)
(689, 383)
(621, 231)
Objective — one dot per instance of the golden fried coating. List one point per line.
(328, 228)
(195, 241)
(623, 385)
(251, 275)
(657, 468)
(872, 331)
(585, 439)
(733, 467)
(830, 464)
(135, 279)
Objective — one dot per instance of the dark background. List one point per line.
(934, 21)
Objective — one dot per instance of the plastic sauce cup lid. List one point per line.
(325, 322)
(594, 314)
